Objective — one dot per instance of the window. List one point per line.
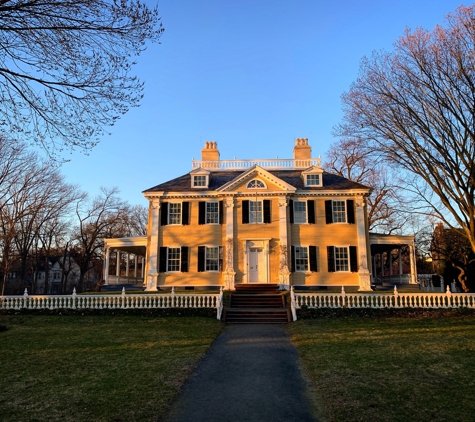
(210, 212)
(340, 211)
(256, 184)
(200, 181)
(300, 212)
(174, 213)
(173, 259)
(342, 258)
(301, 258)
(210, 258)
(256, 212)
(313, 180)
(304, 258)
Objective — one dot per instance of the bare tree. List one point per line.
(100, 218)
(65, 67)
(351, 158)
(416, 107)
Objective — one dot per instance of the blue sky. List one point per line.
(252, 75)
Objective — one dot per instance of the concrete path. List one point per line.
(250, 373)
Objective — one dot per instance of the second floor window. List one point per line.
(255, 212)
(175, 213)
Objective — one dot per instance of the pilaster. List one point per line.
(361, 227)
(152, 274)
(284, 273)
(229, 273)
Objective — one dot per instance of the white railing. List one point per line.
(379, 301)
(272, 164)
(123, 301)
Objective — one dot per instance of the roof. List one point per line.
(292, 177)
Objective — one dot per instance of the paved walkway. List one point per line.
(250, 373)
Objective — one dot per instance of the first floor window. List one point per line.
(304, 258)
(210, 258)
(342, 258)
(173, 259)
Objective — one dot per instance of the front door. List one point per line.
(257, 266)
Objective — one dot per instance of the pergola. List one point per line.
(136, 246)
(382, 248)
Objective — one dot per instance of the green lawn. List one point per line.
(97, 368)
(391, 369)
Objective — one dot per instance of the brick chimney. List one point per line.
(302, 150)
(210, 152)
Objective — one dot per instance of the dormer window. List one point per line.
(200, 181)
(312, 177)
(200, 178)
(313, 180)
(256, 184)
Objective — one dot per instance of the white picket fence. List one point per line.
(123, 301)
(379, 301)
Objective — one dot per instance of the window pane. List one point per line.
(174, 213)
(301, 258)
(313, 179)
(339, 212)
(212, 213)
(255, 212)
(300, 212)
(341, 259)
(173, 259)
(212, 259)
(256, 184)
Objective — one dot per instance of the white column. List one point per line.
(229, 273)
(106, 265)
(284, 273)
(152, 274)
(135, 265)
(117, 267)
(412, 256)
(361, 227)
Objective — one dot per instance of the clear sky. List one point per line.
(252, 75)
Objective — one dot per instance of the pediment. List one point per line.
(264, 182)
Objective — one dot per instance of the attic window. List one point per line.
(200, 181)
(256, 184)
(313, 180)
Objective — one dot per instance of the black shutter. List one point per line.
(267, 217)
(312, 251)
(220, 258)
(201, 212)
(350, 211)
(311, 212)
(292, 259)
(331, 259)
(185, 213)
(221, 212)
(353, 259)
(164, 214)
(201, 258)
(328, 212)
(291, 211)
(245, 212)
(162, 268)
(184, 259)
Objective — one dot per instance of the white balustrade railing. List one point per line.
(108, 301)
(272, 164)
(379, 301)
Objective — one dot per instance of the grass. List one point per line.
(391, 369)
(97, 368)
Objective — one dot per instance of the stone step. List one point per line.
(257, 301)
(257, 288)
(256, 316)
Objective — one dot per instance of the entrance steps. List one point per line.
(256, 304)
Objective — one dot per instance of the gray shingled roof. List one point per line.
(292, 177)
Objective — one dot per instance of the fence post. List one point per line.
(449, 296)
(123, 297)
(343, 296)
(172, 305)
(73, 297)
(292, 303)
(396, 295)
(25, 298)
